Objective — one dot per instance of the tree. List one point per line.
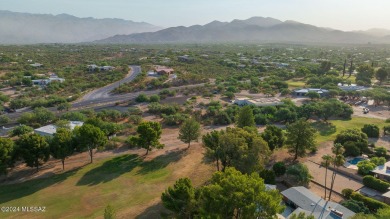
(142, 98)
(89, 137)
(229, 95)
(6, 154)
(353, 135)
(180, 198)
(245, 117)
(154, 98)
(273, 136)
(300, 137)
(211, 142)
(34, 149)
(382, 74)
(189, 131)
(268, 176)
(337, 161)
(371, 130)
(43, 116)
(365, 167)
(279, 168)
(380, 151)
(356, 206)
(61, 146)
(21, 130)
(299, 173)
(148, 137)
(313, 95)
(231, 194)
(109, 212)
(326, 161)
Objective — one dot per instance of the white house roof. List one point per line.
(52, 129)
(383, 169)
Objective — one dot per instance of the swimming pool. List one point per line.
(355, 160)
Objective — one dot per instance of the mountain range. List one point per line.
(25, 28)
(253, 30)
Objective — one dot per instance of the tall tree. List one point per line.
(180, 198)
(350, 68)
(89, 137)
(189, 131)
(6, 154)
(344, 67)
(300, 137)
(21, 130)
(246, 117)
(273, 136)
(299, 173)
(211, 143)
(148, 137)
(231, 194)
(34, 149)
(337, 161)
(61, 146)
(326, 161)
(382, 74)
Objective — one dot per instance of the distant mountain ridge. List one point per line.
(26, 28)
(252, 30)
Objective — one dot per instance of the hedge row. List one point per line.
(371, 204)
(375, 183)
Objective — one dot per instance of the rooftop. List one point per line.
(312, 204)
(52, 129)
(383, 169)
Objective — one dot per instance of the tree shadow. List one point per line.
(325, 129)
(110, 170)
(156, 211)
(161, 161)
(20, 190)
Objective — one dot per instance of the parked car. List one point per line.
(366, 110)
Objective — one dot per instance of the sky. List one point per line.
(338, 14)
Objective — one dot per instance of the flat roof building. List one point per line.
(50, 130)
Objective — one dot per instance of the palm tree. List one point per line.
(326, 161)
(338, 160)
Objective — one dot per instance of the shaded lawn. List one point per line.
(294, 83)
(124, 182)
(328, 132)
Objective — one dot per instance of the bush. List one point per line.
(365, 167)
(380, 151)
(378, 160)
(386, 130)
(371, 204)
(351, 149)
(142, 98)
(375, 183)
(279, 168)
(371, 130)
(347, 193)
(356, 206)
(154, 98)
(268, 176)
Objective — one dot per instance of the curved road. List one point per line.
(104, 92)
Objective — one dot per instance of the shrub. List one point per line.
(365, 167)
(375, 183)
(279, 168)
(378, 160)
(371, 204)
(380, 151)
(386, 130)
(371, 130)
(356, 206)
(154, 98)
(142, 98)
(347, 193)
(268, 176)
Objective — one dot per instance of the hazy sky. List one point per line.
(338, 14)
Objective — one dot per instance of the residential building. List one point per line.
(163, 70)
(382, 172)
(36, 65)
(50, 130)
(304, 91)
(351, 87)
(303, 200)
(243, 101)
(94, 67)
(185, 58)
(52, 78)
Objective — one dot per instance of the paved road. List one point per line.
(105, 92)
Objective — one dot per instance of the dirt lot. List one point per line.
(379, 112)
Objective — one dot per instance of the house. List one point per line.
(304, 91)
(50, 130)
(257, 102)
(303, 200)
(351, 87)
(94, 67)
(36, 65)
(52, 78)
(163, 70)
(185, 58)
(382, 172)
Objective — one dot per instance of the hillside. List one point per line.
(25, 28)
(256, 29)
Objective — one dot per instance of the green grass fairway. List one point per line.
(328, 132)
(295, 84)
(126, 182)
